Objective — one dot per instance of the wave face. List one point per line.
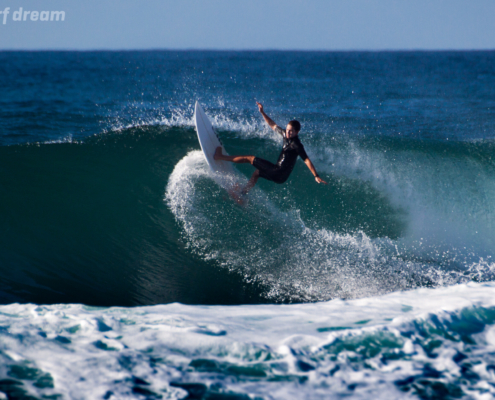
(106, 199)
(135, 218)
(86, 222)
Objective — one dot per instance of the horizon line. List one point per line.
(192, 49)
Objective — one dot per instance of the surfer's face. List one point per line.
(290, 132)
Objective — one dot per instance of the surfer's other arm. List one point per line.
(313, 171)
(267, 119)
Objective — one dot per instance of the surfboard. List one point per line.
(209, 141)
(224, 172)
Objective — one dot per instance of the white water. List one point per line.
(355, 349)
(292, 261)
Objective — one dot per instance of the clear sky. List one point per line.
(251, 24)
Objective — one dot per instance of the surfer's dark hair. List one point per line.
(295, 124)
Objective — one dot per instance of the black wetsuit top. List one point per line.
(280, 172)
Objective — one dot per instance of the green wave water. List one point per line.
(133, 217)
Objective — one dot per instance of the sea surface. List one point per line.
(126, 272)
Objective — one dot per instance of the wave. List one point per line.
(426, 344)
(86, 222)
(132, 216)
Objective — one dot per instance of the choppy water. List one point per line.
(107, 201)
(427, 344)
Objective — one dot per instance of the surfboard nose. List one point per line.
(197, 108)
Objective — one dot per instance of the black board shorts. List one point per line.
(270, 171)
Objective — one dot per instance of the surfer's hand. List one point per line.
(319, 180)
(260, 106)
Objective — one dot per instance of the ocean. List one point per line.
(126, 272)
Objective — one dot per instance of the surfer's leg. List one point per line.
(251, 183)
(236, 159)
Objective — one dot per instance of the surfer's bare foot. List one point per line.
(218, 154)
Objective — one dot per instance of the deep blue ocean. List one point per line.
(380, 283)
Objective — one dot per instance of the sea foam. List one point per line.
(426, 343)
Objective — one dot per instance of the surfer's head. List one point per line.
(293, 128)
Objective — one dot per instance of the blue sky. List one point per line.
(253, 24)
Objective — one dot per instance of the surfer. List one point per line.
(279, 172)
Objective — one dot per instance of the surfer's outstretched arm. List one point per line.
(313, 171)
(267, 119)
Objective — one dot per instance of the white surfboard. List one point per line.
(225, 174)
(209, 141)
